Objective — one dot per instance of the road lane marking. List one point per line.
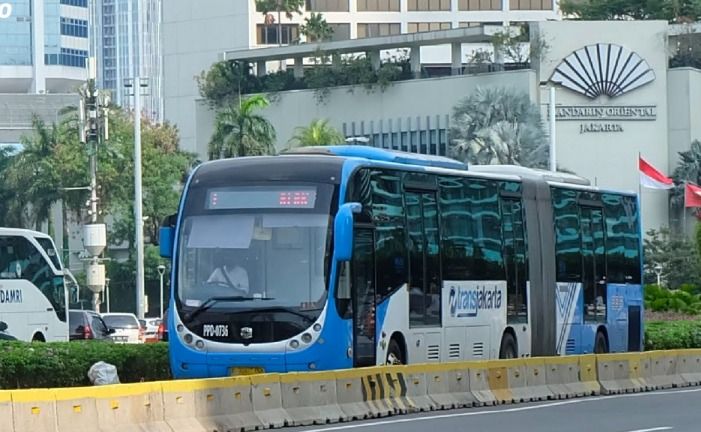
(653, 429)
(397, 420)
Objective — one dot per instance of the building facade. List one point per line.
(616, 99)
(195, 37)
(43, 52)
(126, 41)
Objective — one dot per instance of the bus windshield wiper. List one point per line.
(286, 310)
(214, 300)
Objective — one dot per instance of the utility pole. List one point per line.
(93, 116)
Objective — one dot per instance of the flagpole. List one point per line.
(684, 211)
(640, 194)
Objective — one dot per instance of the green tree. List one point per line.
(224, 83)
(240, 131)
(677, 256)
(316, 29)
(498, 126)
(288, 7)
(688, 170)
(318, 133)
(669, 10)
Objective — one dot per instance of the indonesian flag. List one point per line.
(651, 178)
(692, 195)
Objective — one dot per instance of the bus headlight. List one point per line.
(306, 338)
(317, 327)
(294, 344)
(199, 344)
(188, 338)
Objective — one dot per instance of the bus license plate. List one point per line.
(236, 371)
(120, 339)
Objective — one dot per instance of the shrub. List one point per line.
(682, 300)
(66, 364)
(663, 335)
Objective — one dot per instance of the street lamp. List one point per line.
(658, 272)
(161, 270)
(107, 293)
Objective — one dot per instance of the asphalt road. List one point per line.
(665, 410)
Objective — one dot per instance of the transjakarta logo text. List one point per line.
(466, 302)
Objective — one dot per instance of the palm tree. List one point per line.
(240, 131)
(499, 126)
(287, 6)
(318, 133)
(316, 29)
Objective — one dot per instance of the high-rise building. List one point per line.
(43, 52)
(195, 36)
(126, 40)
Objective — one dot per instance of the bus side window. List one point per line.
(343, 292)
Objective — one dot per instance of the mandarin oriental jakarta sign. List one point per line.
(603, 70)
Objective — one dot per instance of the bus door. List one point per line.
(363, 295)
(593, 271)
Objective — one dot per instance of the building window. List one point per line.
(78, 3)
(378, 5)
(73, 57)
(531, 4)
(74, 27)
(415, 27)
(267, 35)
(341, 31)
(480, 5)
(378, 29)
(428, 5)
(326, 5)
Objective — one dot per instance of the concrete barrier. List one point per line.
(34, 410)
(448, 386)
(689, 366)
(571, 376)
(622, 373)
(266, 393)
(353, 395)
(663, 369)
(310, 398)
(274, 400)
(5, 410)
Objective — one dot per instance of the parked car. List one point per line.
(163, 328)
(151, 326)
(87, 325)
(126, 327)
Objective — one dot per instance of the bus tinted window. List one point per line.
(486, 225)
(456, 223)
(568, 259)
(388, 217)
(516, 258)
(622, 239)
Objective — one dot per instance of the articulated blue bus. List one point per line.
(350, 256)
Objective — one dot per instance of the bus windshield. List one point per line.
(256, 248)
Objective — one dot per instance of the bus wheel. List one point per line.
(394, 353)
(508, 347)
(38, 337)
(600, 345)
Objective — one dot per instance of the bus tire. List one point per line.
(38, 337)
(600, 344)
(394, 353)
(508, 347)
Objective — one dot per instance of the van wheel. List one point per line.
(38, 337)
(508, 347)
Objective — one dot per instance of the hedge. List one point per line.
(663, 335)
(66, 364)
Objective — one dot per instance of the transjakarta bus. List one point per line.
(33, 297)
(349, 256)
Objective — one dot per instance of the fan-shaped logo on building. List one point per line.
(603, 69)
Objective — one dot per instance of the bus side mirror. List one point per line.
(165, 236)
(343, 231)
